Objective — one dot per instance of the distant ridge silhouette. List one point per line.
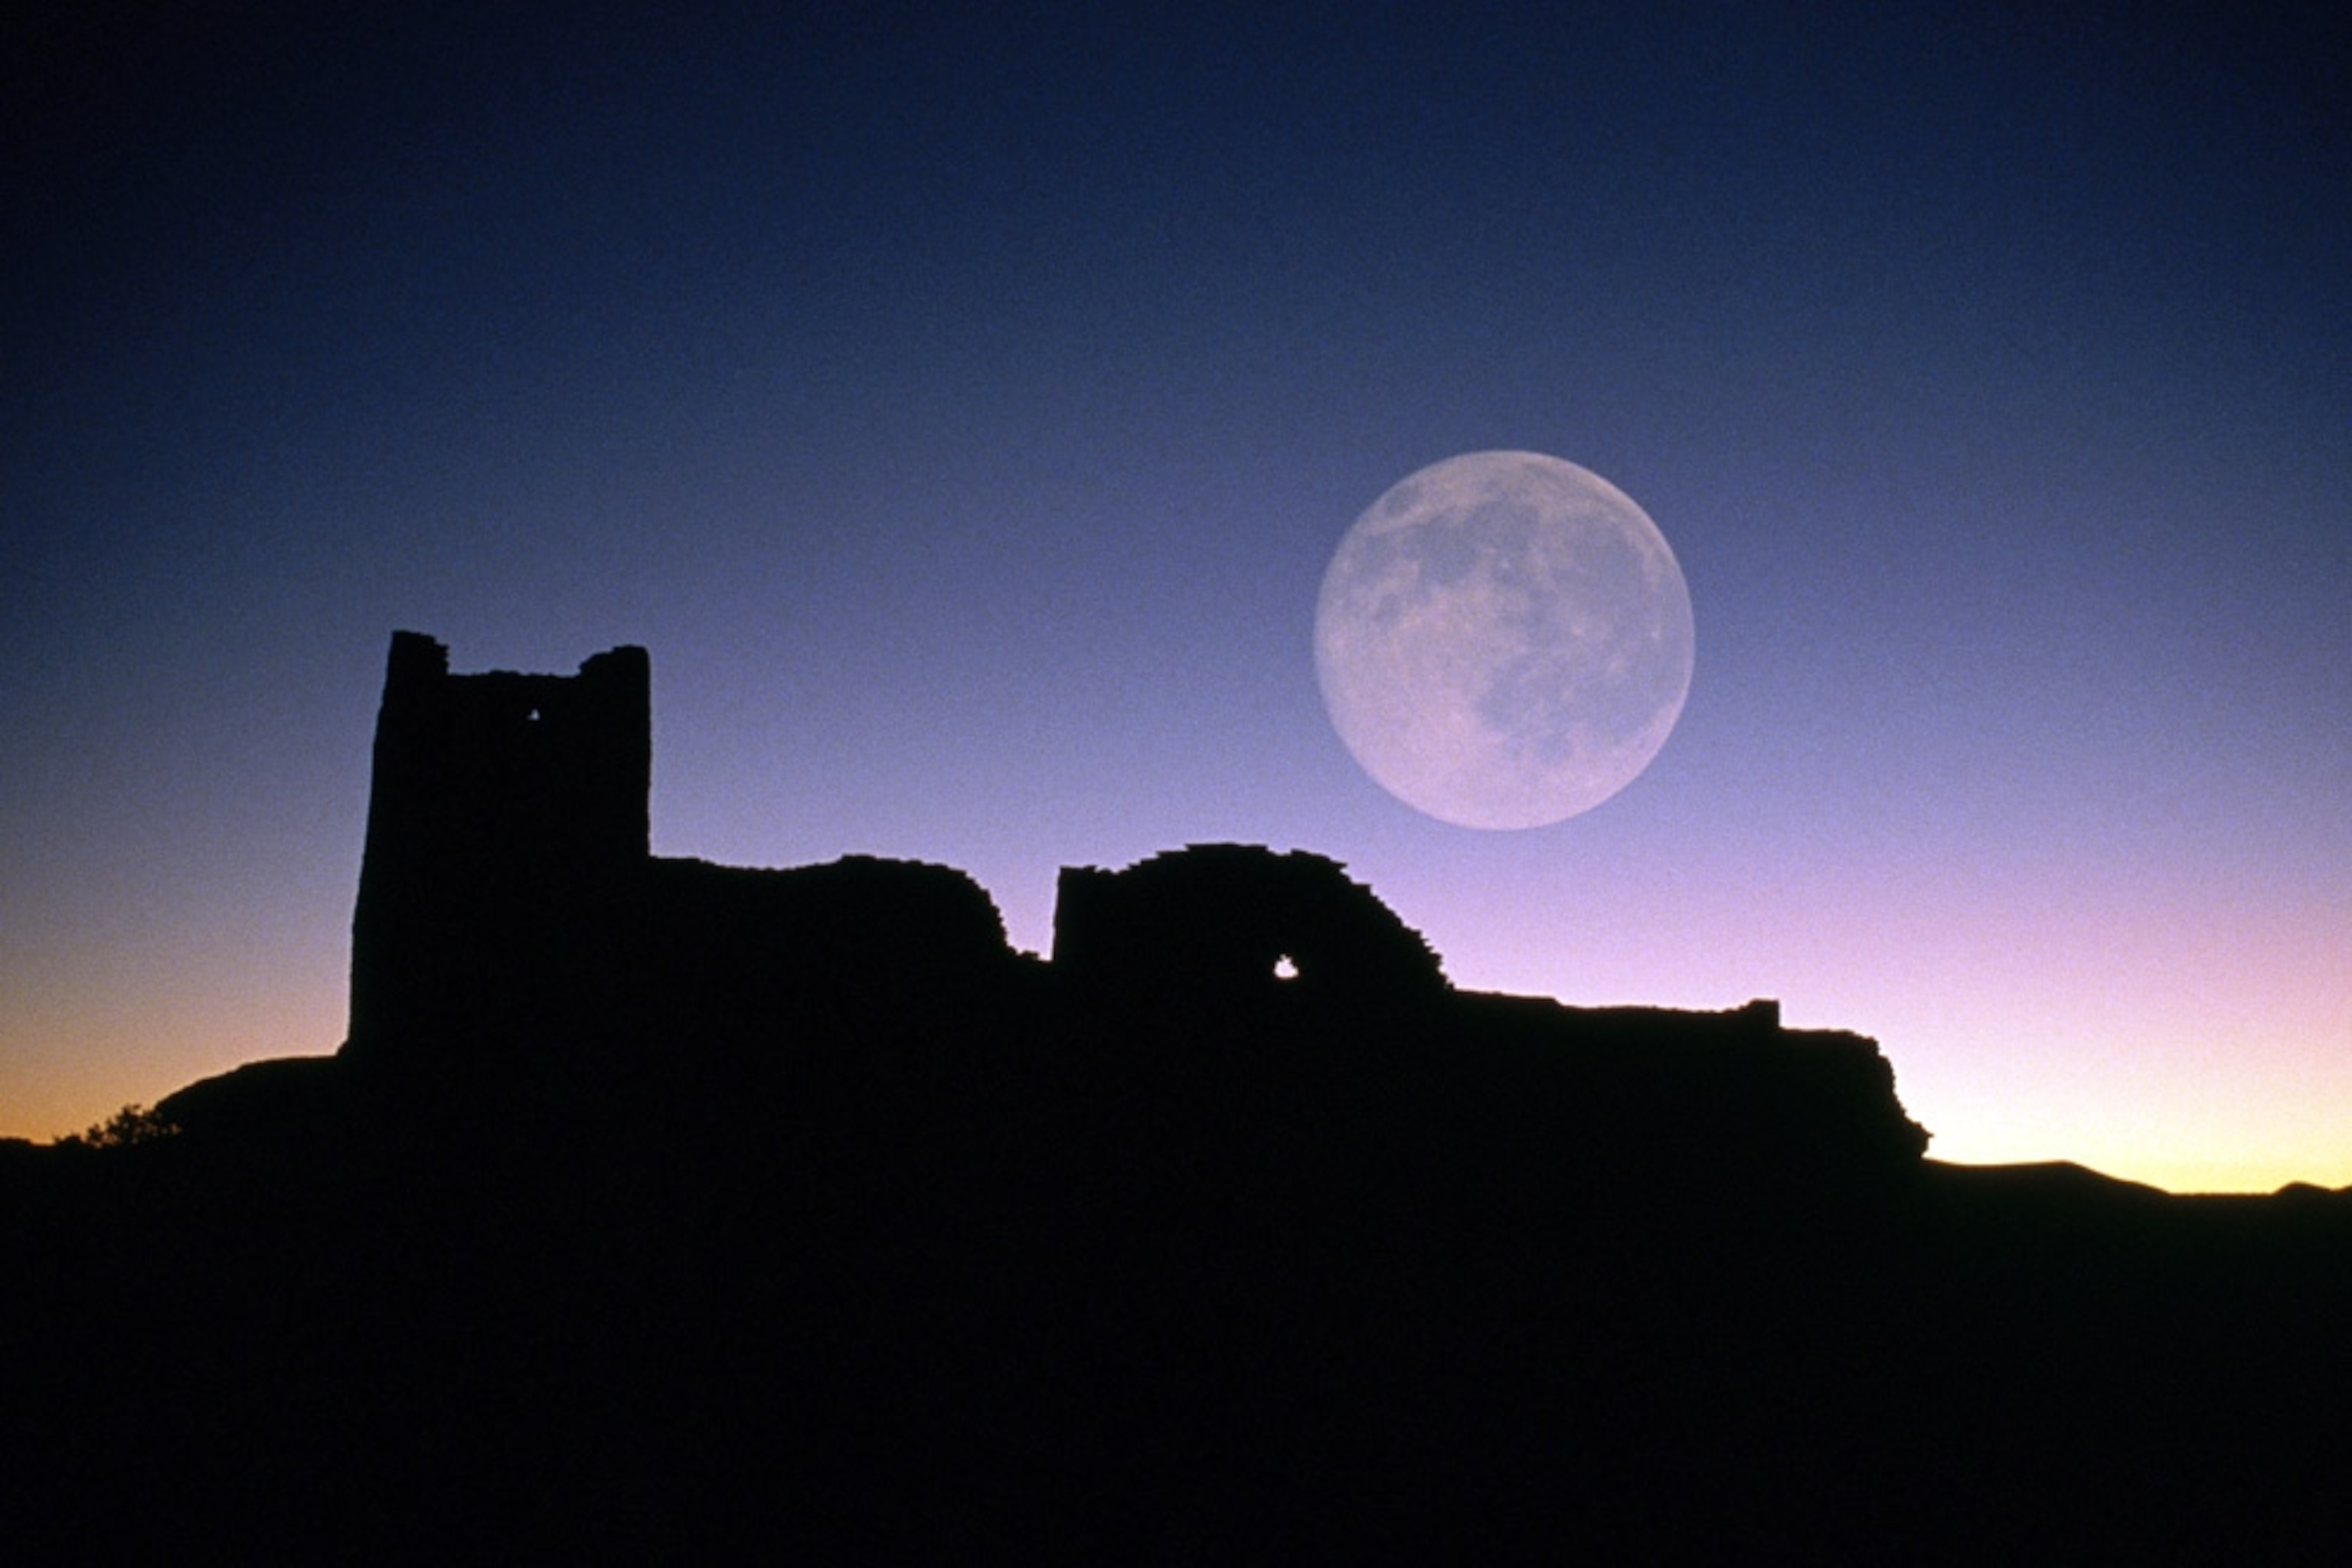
(653, 1205)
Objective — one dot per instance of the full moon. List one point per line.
(1504, 640)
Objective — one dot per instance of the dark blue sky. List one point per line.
(964, 411)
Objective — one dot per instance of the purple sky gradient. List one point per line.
(963, 413)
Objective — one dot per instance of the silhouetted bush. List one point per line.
(131, 1124)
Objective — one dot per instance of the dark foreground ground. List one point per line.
(1012, 1273)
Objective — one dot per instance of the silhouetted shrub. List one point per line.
(131, 1124)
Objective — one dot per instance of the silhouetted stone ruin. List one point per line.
(510, 912)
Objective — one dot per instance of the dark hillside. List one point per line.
(677, 1208)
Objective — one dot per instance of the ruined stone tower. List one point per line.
(506, 822)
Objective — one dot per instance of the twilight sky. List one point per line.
(963, 414)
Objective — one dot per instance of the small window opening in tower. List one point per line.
(1285, 968)
(533, 717)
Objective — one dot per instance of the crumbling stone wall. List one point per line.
(1216, 923)
(732, 953)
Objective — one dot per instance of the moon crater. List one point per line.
(1504, 640)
